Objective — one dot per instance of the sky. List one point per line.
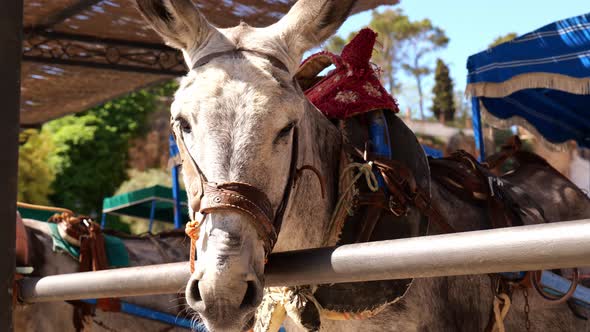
(472, 25)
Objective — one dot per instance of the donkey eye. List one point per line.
(285, 131)
(185, 126)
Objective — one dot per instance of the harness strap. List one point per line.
(508, 150)
(403, 191)
(191, 171)
(463, 175)
(244, 198)
(239, 53)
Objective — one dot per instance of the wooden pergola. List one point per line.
(64, 56)
(85, 52)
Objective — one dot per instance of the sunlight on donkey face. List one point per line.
(236, 115)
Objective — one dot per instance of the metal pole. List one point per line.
(11, 14)
(103, 221)
(152, 215)
(477, 128)
(525, 248)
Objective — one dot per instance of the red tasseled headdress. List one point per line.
(354, 86)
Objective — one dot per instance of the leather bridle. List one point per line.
(207, 197)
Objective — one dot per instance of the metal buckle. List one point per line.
(494, 183)
(421, 201)
(396, 208)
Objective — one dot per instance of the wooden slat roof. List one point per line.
(80, 53)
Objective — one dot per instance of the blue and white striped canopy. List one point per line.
(542, 77)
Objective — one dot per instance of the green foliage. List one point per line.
(34, 173)
(90, 154)
(503, 39)
(402, 44)
(336, 44)
(392, 26)
(443, 104)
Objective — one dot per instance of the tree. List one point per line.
(407, 44)
(91, 149)
(391, 26)
(443, 104)
(336, 44)
(34, 173)
(422, 38)
(503, 39)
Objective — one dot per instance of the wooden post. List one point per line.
(11, 16)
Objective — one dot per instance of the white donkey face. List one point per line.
(237, 112)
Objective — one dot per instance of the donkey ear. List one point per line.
(177, 21)
(311, 22)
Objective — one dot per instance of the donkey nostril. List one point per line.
(250, 296)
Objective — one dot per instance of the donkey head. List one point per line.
(236, 113)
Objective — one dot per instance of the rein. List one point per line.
(208, 197)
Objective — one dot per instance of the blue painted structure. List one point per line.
(555, 285)
(477, 129)
(147, 313)
(380, 139)
(155, 209)
(432, 152)
(542, 77)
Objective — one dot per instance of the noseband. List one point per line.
(209, 197)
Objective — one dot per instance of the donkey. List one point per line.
(243, 121)
(59, 316)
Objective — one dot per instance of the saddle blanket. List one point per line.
(117, 254)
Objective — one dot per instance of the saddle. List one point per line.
(85, 234)
(482, 184)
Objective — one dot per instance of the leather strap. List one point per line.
(465, 177)
(239, 53)
(244, 198)
(508, 150)
(291, 181)
(402, 189)
(405, 192)
(191, 170)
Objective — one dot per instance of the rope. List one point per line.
(363, 169)
(43, 208)
(500, 313)
(193, 229)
